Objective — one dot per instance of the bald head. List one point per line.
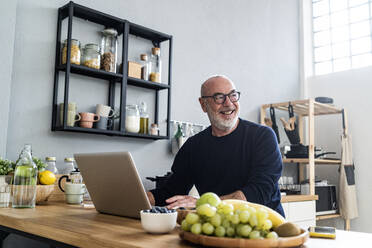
(214, 82)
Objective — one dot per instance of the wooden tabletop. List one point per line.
(84, 227)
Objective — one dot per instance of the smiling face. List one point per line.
(223, 117)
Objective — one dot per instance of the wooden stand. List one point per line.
(308, 108)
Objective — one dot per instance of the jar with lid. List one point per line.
(155, 72)
(69, 165)
(154, 130)
(144, 119)
(51, 164)
(109, 45)
(132, 119)
(91, 56)
(75, 52)
(145, 69)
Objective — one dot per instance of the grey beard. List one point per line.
(222, 124)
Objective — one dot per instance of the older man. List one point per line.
(233, 158)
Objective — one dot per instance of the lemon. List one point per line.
(47, 177)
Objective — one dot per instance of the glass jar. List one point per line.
(145, 70)
(51, 164)
(155, 72)
(132, 119)
(69, 165)
(25, 179)
(75, 52)
(109, 45)
(154, 130)
(91, 56)
(144, 119)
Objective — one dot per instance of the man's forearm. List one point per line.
(235, 195)
(151, 198)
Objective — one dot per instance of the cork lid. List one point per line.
(156, 50)
(144, 57)
(50, 159)
(69, 159)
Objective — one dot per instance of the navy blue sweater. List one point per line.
(248, 159)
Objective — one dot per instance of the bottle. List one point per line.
(91, 56)
(155, 72)
(69, 165)
(25, 179)
(132, 119)
(144, 119)
(145, 67)
(51, 164)
(75, 52)
(109, 46)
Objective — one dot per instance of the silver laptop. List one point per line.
(113, 183)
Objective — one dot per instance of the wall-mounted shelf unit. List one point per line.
(124, 28)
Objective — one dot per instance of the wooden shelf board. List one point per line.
(110, 132)
(296, 198)
(306, 161)
(327, 216)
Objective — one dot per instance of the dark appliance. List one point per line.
(327, 202)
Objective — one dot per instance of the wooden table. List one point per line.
(62, 225)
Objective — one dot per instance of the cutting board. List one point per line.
(245, 243)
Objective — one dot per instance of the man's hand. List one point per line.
(151, 198)
(235, 195)
(185, 201)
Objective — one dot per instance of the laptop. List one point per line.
(113, 183)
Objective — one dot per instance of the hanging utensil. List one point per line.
(273, 120)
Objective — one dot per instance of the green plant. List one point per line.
(5, 166)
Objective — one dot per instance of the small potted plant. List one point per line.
(6, 168)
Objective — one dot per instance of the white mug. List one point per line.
(104, 110)
(74, 192)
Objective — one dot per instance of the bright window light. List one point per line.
(341, 35)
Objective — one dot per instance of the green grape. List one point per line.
(220, 231)
(234, 219)
(267, 225)
(185, 226)
(244, 216)
(262, 214)
(206, 210)
(228, 208)
(255, 235)
(272, 235)
(245, 230)
(196, 228)
(243, 207)
(230, 231)
(226, 223)
(192, 218)
(210, 198)
(253, 220)
(251, 210)
(207, 228)
(238, 229)
(216, 220)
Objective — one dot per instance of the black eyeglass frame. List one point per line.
(214, 96)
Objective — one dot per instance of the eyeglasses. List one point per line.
(220, 98)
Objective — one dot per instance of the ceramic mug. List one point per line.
(104, 110)
(72, 117)
(103, 123)
(87, 119)
(74, 192)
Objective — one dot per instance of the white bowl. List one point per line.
(158, 222)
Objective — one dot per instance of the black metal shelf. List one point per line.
(110, 132)
(125, 28)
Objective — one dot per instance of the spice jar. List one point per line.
(91, 56)
(155, 73)
(109, 50)
(51, 164)
(132, 119)
(75, 52)
(154, 130)
(145, 67)
(69, 165)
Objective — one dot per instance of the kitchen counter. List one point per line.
(63, 225)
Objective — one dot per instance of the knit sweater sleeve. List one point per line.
(180, 182)
(266, 168)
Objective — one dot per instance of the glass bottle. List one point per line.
(92, 57)
(144, 119)
(109, 45)
(132, 119)
(155, 72)
(69, 165)
(75, 52)
(51, 164)
(25, 179)
(145, 67)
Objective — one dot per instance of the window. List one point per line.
(341, 35)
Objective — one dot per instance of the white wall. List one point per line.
(350, 90)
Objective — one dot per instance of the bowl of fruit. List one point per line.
(158, 219)
(237, 223)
